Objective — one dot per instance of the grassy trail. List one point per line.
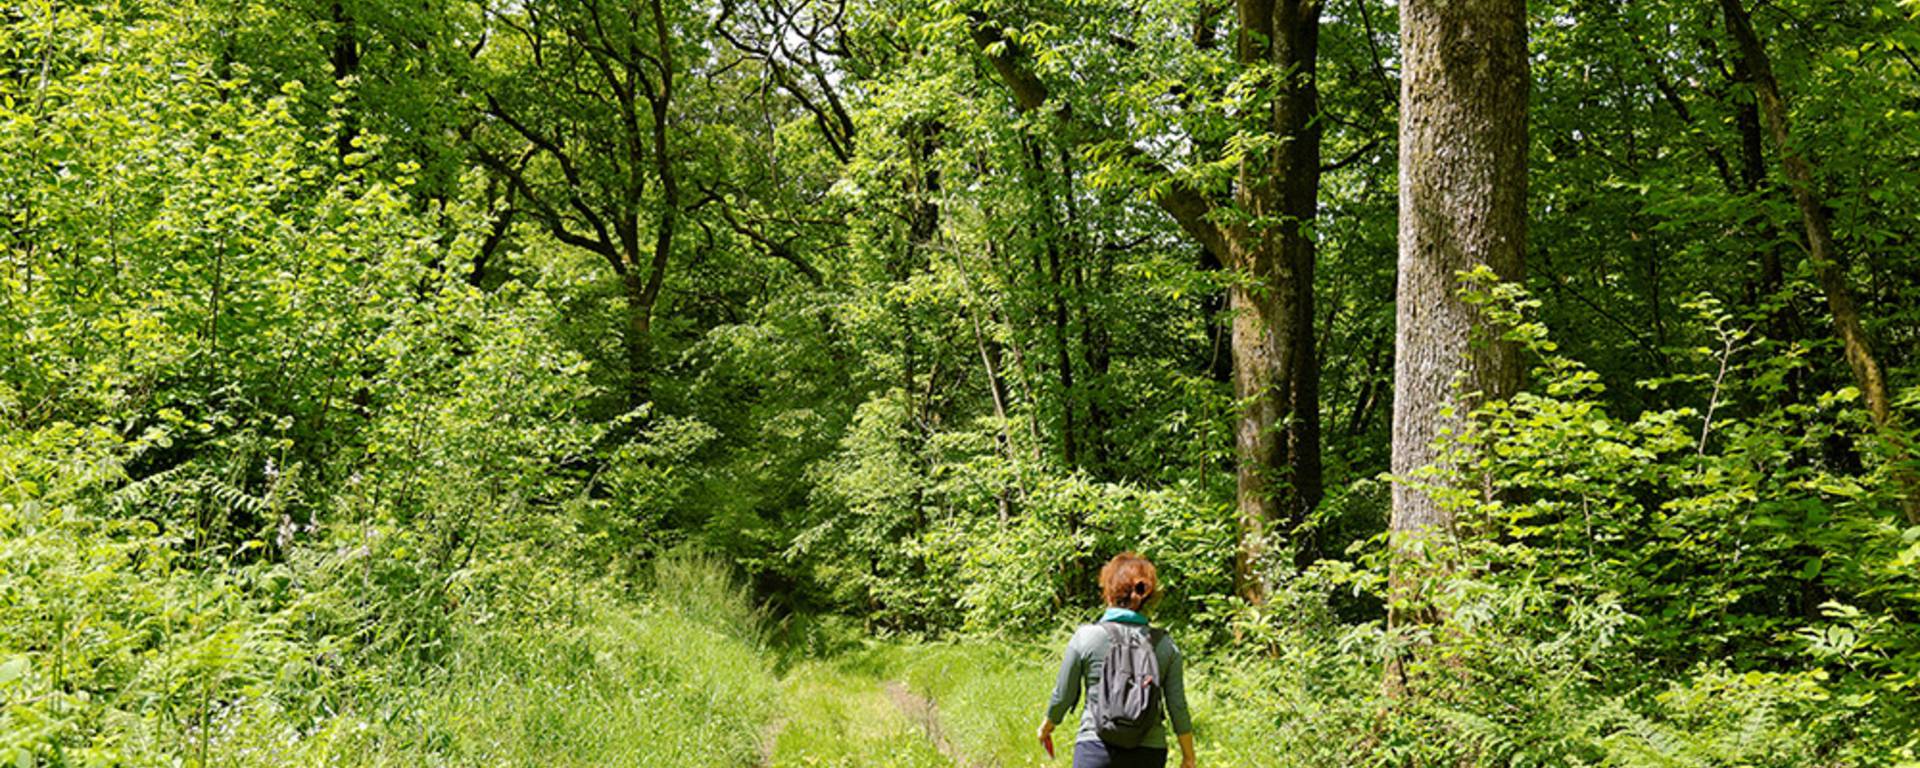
(843, 719)
(926, 714)
(690, 683)
(911, 705)
(975, 704)
(661, 688)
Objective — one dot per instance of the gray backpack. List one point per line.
(1129, 686)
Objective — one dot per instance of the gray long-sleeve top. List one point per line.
(1086, 655)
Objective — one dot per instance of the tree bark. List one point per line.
(1213, 306)
(1049, 229)
(1783, 324)
(1271, 250)
(1096, 348)
(1463, 176)
(1827, 269)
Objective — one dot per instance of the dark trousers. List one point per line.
(1099, 754)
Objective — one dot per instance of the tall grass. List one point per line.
(680, 679)
(703, 588)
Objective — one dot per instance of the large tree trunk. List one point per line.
(1276, 375)
(1463, 177)
(1858, 347)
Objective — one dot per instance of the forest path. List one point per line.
(831, 717)
(926, 713)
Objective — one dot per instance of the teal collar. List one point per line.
(1124, 616)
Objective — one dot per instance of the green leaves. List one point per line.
(282, 417)
(12, 670)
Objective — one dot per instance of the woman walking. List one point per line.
(1121, 658)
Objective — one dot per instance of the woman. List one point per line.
(1128, 583)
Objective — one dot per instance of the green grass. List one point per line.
(625, 686)
(841, 719)
(990, 694)
(635, 690)
(569, 676)
(658, 685)
(685, 677)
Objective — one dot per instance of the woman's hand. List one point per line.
(1046, 736)
(1186, 750)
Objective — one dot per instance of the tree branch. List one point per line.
(567, 169)
(544, 210)
(1353, 158)
(1189, 207)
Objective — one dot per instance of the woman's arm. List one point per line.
(1066, 693)
(1067, 684)
(1174, 688)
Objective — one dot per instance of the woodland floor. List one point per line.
(834, 718)
(845, 718)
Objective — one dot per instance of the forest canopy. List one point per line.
(580, 382)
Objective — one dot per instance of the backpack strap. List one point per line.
(1154, 634)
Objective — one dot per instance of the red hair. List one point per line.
(1128, 581)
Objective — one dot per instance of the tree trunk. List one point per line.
(637, 339)
(1096, 339)
(1366, 400)
(996, 386)
(1213, 306)
(921, 186)
(1783, 324)
(1271, 250)
(1463, 175)
(1050, 228)
(1062, 352)
(644, 295)
(344, 55)
(1096, 347)
(1867, 373)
